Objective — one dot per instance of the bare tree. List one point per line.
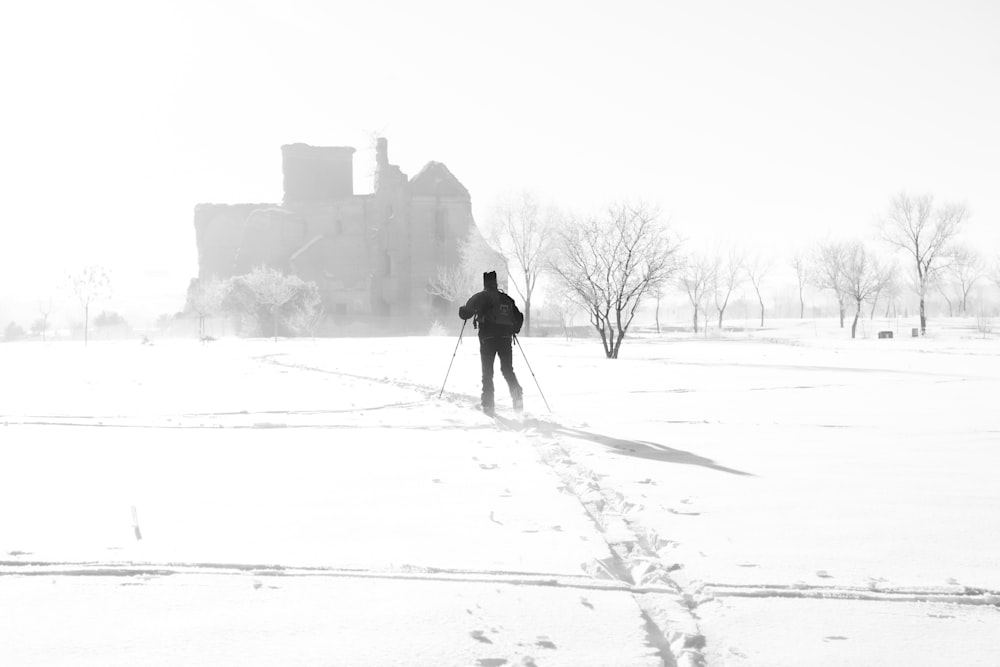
(204, 299)
(756, 269)
(863, 277)
(801, 266)
(522, 231)
(924, 232)
(90, 284)
(610, 263)
(456, 283)
(697, 276)
(828, 264)
(453, 283)
(563, 306)
(280, 296)
(892, 290)
(272, 290)
(890, 287)
(944, 287)
(728, 277)
(965, 268)
(44, 309)
(659, 291)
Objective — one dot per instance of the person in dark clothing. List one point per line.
(498, 319)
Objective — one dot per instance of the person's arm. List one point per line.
(471, 307)
(518, 317)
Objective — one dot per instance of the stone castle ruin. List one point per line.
(372, 255)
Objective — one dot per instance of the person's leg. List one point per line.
(487, 352)
(505, 351)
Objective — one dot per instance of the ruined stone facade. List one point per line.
(372, 256)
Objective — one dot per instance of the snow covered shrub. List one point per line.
(268, 302)
(437, 329)
(14, 331)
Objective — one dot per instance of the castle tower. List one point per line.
(389, 179)
(317, 174)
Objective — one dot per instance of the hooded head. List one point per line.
(490, 280)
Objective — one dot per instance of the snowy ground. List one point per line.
(779, 497)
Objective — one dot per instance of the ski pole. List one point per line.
(532, 373)
(464, 322)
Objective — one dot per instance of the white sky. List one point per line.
(766, 122)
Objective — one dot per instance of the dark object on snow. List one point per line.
(885, 334)
(498, 320)
(135, 524)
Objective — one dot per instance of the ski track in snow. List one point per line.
(670, 626)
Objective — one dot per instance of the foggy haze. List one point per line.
(271, 275)
(774, 124)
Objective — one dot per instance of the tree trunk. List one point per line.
(761, 309)
(696, 319)
(599, 325)
(618, 343)
(527, 316)
(854, 325)
(802, 306)
(721, 313)
(657, 315)
(843, 314)
(923, 317)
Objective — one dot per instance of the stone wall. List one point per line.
(370, 255)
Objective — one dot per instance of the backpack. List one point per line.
(500, 313)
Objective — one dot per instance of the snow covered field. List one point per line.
(786, 496)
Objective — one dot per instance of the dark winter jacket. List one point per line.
(485, 306)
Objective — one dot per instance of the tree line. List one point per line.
(607, 264)
(264, 302)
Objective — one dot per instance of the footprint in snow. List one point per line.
(480, 636)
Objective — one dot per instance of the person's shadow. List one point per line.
(642, 449)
